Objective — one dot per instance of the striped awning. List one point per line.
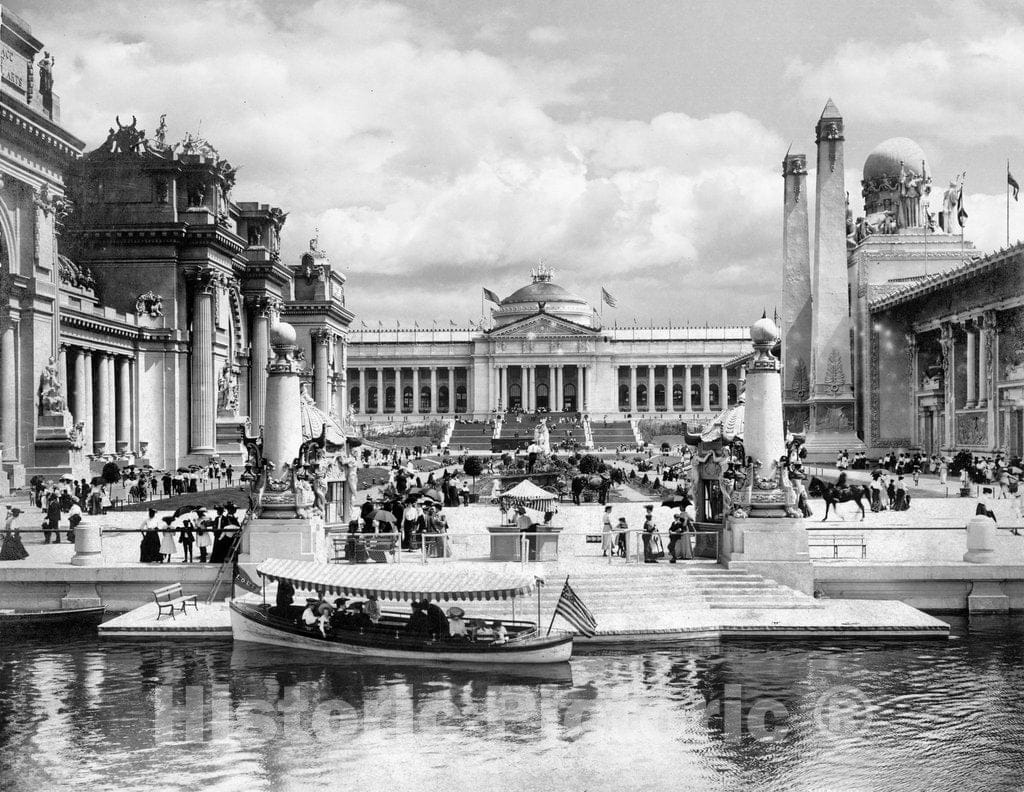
(401, 583)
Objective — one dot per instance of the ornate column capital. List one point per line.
(322, 335)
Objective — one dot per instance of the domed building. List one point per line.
(543, 349)
(893, 168)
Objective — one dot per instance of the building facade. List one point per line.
(543, 349)
(137, 296)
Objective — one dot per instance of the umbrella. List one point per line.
(182, 470)
(672, 501)
(455, 612)
(98, 480)
(432, 494)
(67, 477)
(382, 515)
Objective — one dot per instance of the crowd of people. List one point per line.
(191, 528)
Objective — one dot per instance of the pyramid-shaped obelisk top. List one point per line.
(831, 111)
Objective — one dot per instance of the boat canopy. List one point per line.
(401, 582)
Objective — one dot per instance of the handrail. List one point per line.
(638, 544)
(230, 558)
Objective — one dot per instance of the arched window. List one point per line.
(442, 399)
(353, 398)
(641, 396)
(425, 398)
(515, 396)
(389, 398)
(542, 396)
(732, 393)
(659, 396)
(623, 396)
(371, 398)
(407, 399)
(460, 398)
(677, 395)
(568, 398)
(713, 391)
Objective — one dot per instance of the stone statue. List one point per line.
(227, 390)
(255, 236)
(542, 436)
(950, 198)
(1015, 370)
(150, 304)
(51, 397)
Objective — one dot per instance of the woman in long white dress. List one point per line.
(168, 546)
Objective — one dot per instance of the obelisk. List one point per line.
(796, 293)
(831, 426)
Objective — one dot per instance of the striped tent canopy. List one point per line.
(401, 583)
(530, 495)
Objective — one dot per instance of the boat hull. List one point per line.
(68, 619)
(248, 624)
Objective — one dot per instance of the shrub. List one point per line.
(473, 467)
(589, 464)
(111, 473)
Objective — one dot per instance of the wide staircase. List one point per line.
(471, 437)
(576, 434)
(654, 598)
(611, 434)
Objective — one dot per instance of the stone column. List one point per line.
(433, 389)
(585, 404)
(62, 372)
(415, 390)
(362, 391)
(8, 392)
(258, 367)
(985, 349)
(971, 399)
(102, 406)
(795, 310)
(724, 389)
(80, 408)
(687, 388)
(203, 387)
(558, 396)
(89, 401)
(946, 341)
(632, 388)
(706, 389)
(321, 339)
(669, 387)
(380, 390)
(124, 404)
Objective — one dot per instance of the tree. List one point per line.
(111, 473)
(473, 466)
(589, 464)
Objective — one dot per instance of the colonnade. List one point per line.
(686, 404)
(980, 354)
(555, 387)
(374, 381)
(100, 384)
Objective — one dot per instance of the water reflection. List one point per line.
(163, 714)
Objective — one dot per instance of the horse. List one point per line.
(833, 495)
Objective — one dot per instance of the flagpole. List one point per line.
(1007, 202)
(555, 612)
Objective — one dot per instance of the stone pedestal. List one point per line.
(987, 596)
(981, 538)
(81, 594)
(88, 546)
(774, 548)
(295, 539)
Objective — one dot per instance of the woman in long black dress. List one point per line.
(12, 548)
(149, 547)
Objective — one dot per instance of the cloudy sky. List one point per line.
(440, 146)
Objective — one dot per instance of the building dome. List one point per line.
(764, 332)
(541, 295)
(542, 291)
(283, 334)
(886, 158)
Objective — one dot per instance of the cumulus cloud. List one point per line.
(546, 34)
(431, 169)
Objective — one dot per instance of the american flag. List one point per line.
(571, 608)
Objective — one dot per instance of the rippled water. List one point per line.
(94, 715)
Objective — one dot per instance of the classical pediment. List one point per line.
(543, 326)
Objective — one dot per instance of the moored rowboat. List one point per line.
(51, 620)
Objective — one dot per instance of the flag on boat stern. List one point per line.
(242, 580)
(571, 608)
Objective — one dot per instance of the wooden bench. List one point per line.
(170, 597)
(835, 541)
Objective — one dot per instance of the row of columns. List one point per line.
(705, 392)
(365, 375)
(980, 340)
(101, 397)
(500, 394)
